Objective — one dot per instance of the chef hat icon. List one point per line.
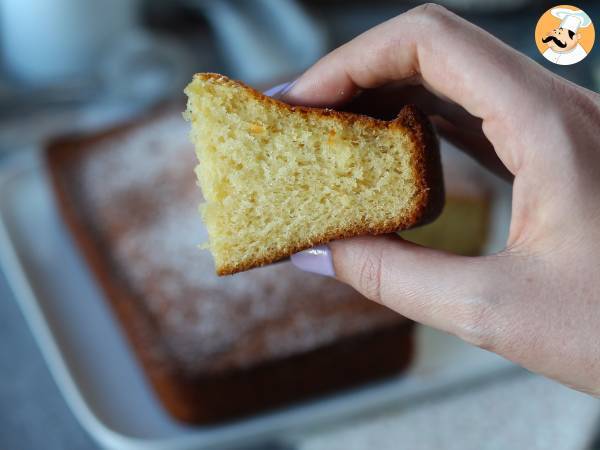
(571, 19)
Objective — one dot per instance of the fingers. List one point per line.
(451, 120)
(475, 144)
(383, 102)
(449, 292)
(455, 59)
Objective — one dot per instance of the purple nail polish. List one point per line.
(316, 260)
(280, 90)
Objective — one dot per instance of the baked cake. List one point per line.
(213, 348)
(278, 179)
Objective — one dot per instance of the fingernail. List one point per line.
(280, 90)
(316, 260)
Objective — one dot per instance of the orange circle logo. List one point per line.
(564, 35)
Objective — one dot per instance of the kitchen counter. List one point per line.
(33, 413)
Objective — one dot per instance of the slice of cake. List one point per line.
(278, 179)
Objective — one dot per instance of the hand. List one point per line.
(537, 302)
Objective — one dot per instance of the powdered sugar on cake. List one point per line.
(140, 188)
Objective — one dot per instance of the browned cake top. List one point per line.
(137, 190)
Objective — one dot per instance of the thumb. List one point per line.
(449, 292)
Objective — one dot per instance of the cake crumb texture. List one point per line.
(278, 179)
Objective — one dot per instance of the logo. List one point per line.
(564, 35)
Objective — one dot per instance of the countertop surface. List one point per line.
(33, 413)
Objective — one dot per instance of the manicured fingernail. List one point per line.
(316, 260)
(280, 90)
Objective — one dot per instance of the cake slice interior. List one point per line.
(278, 179)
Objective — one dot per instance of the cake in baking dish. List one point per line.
(213, 348)
(278, 179)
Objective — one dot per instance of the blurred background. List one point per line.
(72, 64)
(81, 65)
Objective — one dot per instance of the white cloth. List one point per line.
(522, 412)
(566, 58)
